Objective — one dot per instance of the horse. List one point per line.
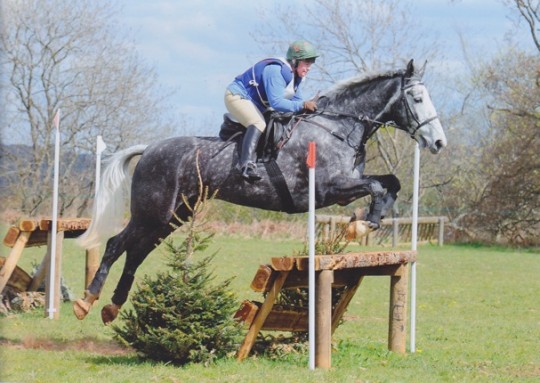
(167, 176)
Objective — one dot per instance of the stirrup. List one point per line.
(249, 172)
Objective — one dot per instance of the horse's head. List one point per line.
(420, 117)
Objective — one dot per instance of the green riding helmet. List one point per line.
(301, 50)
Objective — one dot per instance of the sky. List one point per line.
(198, 46)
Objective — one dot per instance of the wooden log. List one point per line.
(264, 277)
(280, 318)
(247, 311)
(29, 225)
(11, 236)
(283, 263)
(323, 319)
(397, 323)
(19, 279)
(344, 300)
(13, 258)
(39, 275)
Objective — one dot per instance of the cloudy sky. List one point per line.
(198, 46)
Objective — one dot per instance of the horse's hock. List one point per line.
(33, 232)
(332, 271)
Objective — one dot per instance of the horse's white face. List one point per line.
(425, 127)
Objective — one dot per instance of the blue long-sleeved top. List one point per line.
(270, 83)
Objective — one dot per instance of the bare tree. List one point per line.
(530, 13)
(69, 55)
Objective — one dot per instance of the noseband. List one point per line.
(411, 116)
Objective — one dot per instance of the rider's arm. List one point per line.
(275, 85)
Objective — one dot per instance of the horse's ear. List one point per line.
(422, 70)
(409, 72)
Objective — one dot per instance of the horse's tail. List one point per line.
(109, 202)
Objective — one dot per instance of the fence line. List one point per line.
(392, 230)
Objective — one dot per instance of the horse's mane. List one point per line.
(353, 82)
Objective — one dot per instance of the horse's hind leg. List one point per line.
(137, 251)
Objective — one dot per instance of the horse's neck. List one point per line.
(373, 99)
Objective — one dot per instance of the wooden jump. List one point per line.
(31, 232)
(332, 271)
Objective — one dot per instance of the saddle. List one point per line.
(279, 127)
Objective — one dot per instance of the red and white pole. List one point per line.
(311, 160)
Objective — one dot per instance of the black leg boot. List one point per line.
(249, 154)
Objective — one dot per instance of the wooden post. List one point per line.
(39, 275)
(323, 322)
(441, 231)
(13, 258)
(57, 253)
(395, 232)
(397, 326)
(92, 264)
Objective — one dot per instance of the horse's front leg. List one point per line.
(391, 184)
(345, 190)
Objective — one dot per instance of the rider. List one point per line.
(274, 84)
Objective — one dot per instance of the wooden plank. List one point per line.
(66, 224)
(11, 236)
(264, 278)
(357, 260)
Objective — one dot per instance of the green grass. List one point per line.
(477, 321)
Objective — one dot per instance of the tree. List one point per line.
(69, 56)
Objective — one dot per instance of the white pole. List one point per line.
(52, 292)
(100, 147)
(416, 185)
(311, 238)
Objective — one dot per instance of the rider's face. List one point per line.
(303, 68)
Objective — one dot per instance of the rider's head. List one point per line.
(301, 50)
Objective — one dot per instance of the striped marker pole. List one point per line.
(311, 159)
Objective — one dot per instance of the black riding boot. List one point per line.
(249, 154)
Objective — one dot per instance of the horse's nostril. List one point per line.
(439, 144)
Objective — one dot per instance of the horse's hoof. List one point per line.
(109, 313)
(81, 308)
(374, 225)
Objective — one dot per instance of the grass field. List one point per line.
(478, 320)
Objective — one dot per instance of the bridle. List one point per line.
(411, 116)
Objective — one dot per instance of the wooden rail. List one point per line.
(332, 271)
(392, 230)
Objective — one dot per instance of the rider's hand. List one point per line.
(310, 106)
